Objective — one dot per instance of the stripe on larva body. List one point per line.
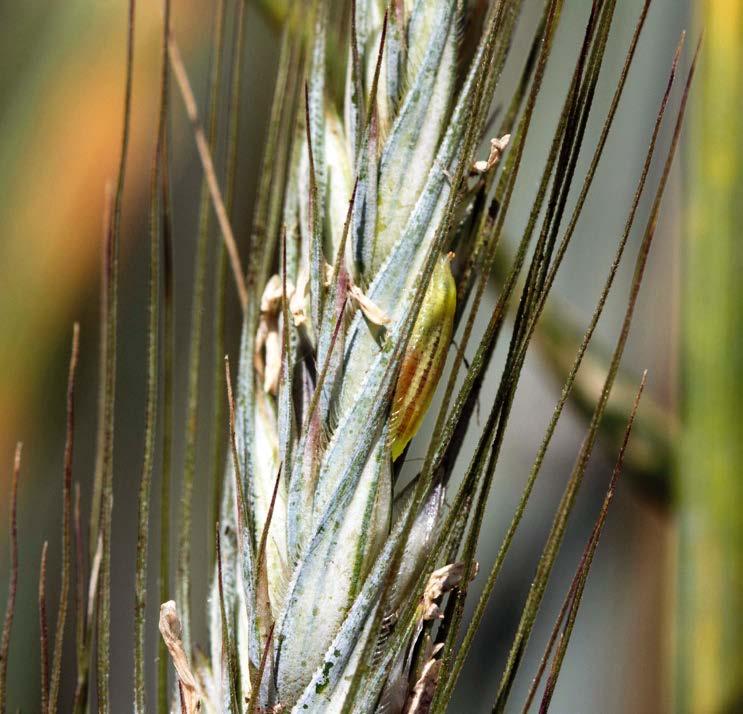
(424, 359)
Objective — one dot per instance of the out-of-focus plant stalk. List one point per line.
(710, 631)
(649, 461)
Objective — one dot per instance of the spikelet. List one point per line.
(345, 357)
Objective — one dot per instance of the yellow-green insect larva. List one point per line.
(425, 356)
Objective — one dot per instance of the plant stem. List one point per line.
(709, 628)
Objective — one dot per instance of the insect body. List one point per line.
(425, 356)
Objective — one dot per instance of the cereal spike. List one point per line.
(425, 356)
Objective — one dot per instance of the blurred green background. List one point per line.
(665, 592)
